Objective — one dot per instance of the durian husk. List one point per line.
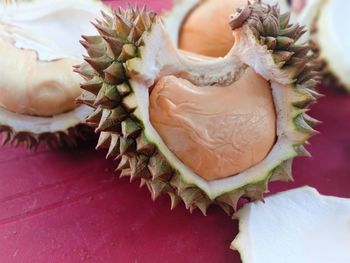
(308, 16)
(64, 130)
(108, 89)
(23, 124)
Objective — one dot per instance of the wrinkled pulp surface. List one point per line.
(217, 131)
(68, 206)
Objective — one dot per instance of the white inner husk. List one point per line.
(35, 124)
(299, 225)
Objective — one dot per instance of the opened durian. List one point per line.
(200, 26)
(38, 88)
(328, 21)
(199, 129)
(298, 225)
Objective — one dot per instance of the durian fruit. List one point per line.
(328, 22)
(200, 26)
(38, 88)
(202, 130)
(298, 225)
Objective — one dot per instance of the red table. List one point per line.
(68, 205)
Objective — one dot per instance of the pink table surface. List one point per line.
(69, 206)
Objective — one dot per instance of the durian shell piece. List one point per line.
(117, 116)
(294, 226)
(44, 110)
(332, 59)
(53, 132)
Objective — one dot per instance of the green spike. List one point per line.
(282, 56)
(159, 167)
(95, 117)
(284, 20)
(114, 74)
(271, 26)
(125, 173)
(301, 151)
(96, 50)
(270, 42)
(115, 45)
(103, 141)
(202, 204)
(126, 145)
(231, 198)
(157, 187)
(303, 98)
(99, 64)
(131, 67)
(144, 146)
(174, 199)
(93, 40)
(284, 42)
(110, 121)
(113, 150)
(85, 70)
(104, 31)
(128, 51)
(122, 26)
(138, 165)
(130, 128)
(123, 163)
(290, 32)
(283, 172)
(86, 98)
(190, 195)
(134, 35)
(177, 182)
(108, 97)
(124, 89)
(130, 102)
(94, 85)
(256, 191)
(303, 126)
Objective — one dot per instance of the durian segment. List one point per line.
(215, 138)
(298, 225)
(215, 39)
(32, 87)
(39, 46)
(267, 44)
(200, 26)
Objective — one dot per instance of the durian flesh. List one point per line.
(123, 82)
(299, 225)
(200, 26)
(215, 138)
(38, 48)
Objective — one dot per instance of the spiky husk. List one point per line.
(32, 136)
(310, 16)
(108, 71)
(54, 140)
